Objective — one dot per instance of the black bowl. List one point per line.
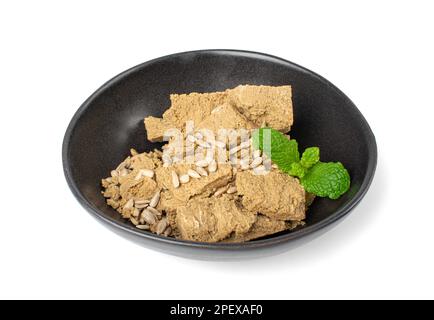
(110, 122)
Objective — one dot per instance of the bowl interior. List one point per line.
(111, 120)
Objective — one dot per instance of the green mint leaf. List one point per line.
(329, 179)
(283, 152)
(310, 157)
(322, 179)
(297, 170)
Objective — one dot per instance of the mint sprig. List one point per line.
(327, 179)
(324, 179)
(310, 157)
(277, 147)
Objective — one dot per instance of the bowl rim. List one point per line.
(341, 212)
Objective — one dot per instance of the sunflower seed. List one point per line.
(148, 217)
(212, 167)
(141, 219)
(127, 162)
(161, 226)
(129, 204)
(245, 144)
(168, 231)
(114, 173)
(123, 172)
(191, 138)
(167, 159)
(155, 199)
(141, 206)
(116, 196)
(198, 135)
(261, 170)
(175, 179)
(120, 166)
(134, 221)
(202, 163)
(199, 152)
(202, 171)
(142, 227)
(245, 167)
(113, 203)
(245, 163)
(141, 202)
(154, 211)
(133, 152)
(203, 144)
(274, 166)
(184, 178)
(136, 213)
(220, 144)
(193, 173)
(256, 153)
(232, 189)
(145, 173)
(234, 150)
(256, 162)
(220, 191)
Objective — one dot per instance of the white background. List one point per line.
(54, 55)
